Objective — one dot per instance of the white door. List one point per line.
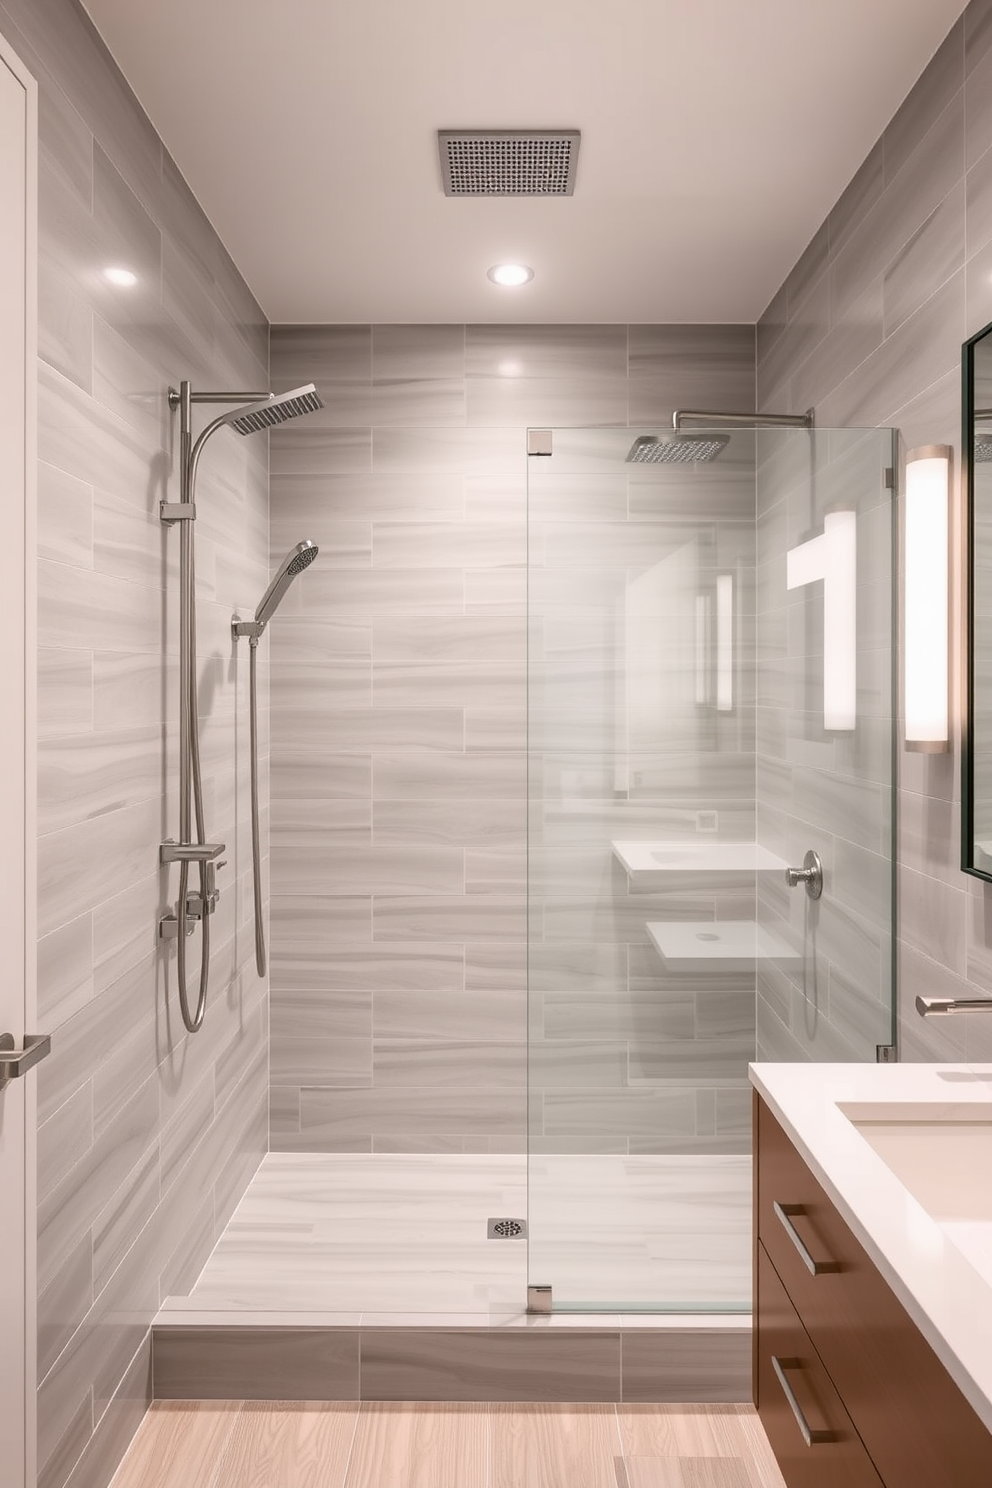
(18, 174)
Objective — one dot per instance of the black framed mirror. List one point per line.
(976, 469)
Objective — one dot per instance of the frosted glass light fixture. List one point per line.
(833, 557)
(925, 599)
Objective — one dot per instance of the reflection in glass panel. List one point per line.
(683, 750)
(981, 608)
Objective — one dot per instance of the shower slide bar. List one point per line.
(251, 414)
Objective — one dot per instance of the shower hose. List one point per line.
(256, 859)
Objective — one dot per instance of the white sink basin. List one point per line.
(941, 1154)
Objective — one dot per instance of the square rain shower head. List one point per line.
(508, 162)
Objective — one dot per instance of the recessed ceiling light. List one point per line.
(510, 274)
(122, 277)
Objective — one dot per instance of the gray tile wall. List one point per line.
(831, 1000)
(398, 752)
(868, 328)
(147, 1137)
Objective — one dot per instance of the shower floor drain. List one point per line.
(506, 1229)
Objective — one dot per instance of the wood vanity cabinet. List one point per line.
(878, 1405)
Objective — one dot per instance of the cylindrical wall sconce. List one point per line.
(925, 598)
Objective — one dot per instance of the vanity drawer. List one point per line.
(915, 1422)
(811, 1247)
(830, 1454)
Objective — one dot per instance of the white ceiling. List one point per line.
(716, 135)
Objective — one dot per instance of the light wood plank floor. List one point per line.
(257, 1444)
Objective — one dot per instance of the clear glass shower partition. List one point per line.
(710, 696)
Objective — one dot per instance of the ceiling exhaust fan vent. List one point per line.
(508, 162)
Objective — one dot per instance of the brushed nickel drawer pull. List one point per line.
(810, 1437)
(814, 1267)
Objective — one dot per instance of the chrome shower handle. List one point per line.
(810, 874)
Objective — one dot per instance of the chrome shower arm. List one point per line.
(717, 420)
(221, 397)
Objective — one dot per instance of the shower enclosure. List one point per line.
(709, 702)
(710, 698)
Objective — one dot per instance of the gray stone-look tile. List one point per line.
(249, 1364)
(403, 1063)
(337, 1117)
(64, 1303)
(857, 198)
(418, 374)
(904, 205)
(928, 259)
(689, 366)
(933, 91)
(520, 375)
(337, 358)
(490, 1365)
(676, 1364)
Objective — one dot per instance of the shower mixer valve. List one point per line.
(197, 905)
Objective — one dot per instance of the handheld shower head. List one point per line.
(295, 561)
(275, 410)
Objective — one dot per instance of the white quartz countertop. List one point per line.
(940, 1270)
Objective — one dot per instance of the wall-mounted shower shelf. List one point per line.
(653, 863)
(724, 945)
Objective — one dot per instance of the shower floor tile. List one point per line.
(406, 1234)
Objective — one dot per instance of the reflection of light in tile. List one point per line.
(123, 278)
(832, 559)
(725, 642)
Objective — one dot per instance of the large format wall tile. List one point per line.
(405, 903)
(127, 1103)
(902, 301)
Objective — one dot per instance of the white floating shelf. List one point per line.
(646, 862)
(724, 945)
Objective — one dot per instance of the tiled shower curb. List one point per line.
(201, 1355)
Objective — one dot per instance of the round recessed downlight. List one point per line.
(510, 275)
(122, 277)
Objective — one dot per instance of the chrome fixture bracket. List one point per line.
(189, 852)
(810, 874)
(251, 628)
(539, 1300)
(177, 511)
(168, 926)
(886, 1054)
(15, 1062)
